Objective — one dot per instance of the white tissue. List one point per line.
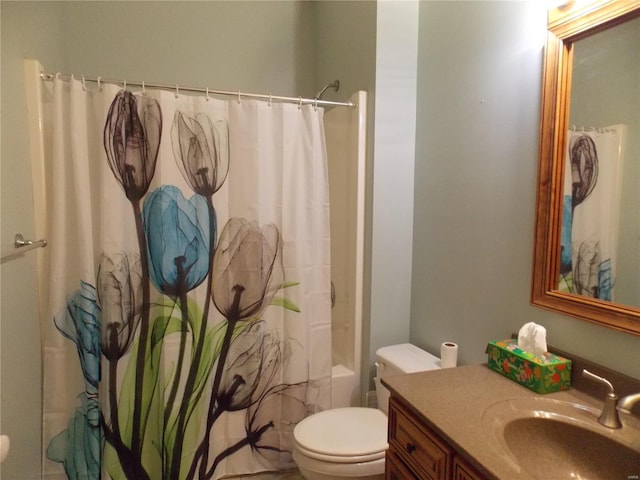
(532, 338)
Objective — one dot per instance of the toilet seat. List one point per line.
(343, 435)
(340, 458)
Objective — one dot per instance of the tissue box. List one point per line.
(545, 374)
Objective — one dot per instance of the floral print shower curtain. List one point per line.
(187, 327)
(591, 211)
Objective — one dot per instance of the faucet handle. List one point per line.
(609, 417)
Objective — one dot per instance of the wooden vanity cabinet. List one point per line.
(416, 452)
(462, 470)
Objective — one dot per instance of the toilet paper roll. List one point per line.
(4, 447)
(448, 355)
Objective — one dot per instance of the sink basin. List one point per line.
(552, 439)
(541, 445)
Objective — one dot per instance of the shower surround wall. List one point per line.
(345, 132)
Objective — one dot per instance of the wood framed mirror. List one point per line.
(562, 171)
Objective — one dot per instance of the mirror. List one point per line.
(587, 233)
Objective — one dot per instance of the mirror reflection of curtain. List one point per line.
(188, 324)
(591, 211)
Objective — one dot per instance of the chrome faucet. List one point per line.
(626, 403)
(609, 416)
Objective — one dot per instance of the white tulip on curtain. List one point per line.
(188, 321)
(591, 211)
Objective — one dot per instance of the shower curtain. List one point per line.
(591, 211)
(188, 319)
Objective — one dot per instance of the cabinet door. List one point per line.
(422, 451)
(462, 470)
(395, 469)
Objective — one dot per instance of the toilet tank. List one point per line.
(396, 360)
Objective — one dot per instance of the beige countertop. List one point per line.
(452, 402)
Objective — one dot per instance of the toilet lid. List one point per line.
(349, 432)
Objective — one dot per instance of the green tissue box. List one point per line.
(545, 374)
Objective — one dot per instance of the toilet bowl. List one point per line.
(341, 443)
(351, 442)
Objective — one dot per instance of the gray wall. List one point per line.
(479, 81)
(249, 46)
(27, 29)
(478, 94)
(393, 174)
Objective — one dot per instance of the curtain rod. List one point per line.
(206, 91)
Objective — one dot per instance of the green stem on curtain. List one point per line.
(129, 462)
(139, 423)
(251, 438)
(184, 308)
(113, 397)
(197, 356)
(204, 446)
(200, 451)
(222, 359)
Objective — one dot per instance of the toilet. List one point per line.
(351, 442)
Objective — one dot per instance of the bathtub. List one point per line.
(344, 387)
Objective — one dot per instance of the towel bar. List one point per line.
(21, 245)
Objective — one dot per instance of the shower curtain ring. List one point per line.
(84, 85)
(144, 90)
(315, 105)
(269, 102)
(177, 91)
(99, 85)
(238, 97)
(124, 85)
(300, 103)
(206, 95)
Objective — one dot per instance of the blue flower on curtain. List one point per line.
(566, 248)
(80, 323)
(79, 448)
(178, 240)
(605, 280)
(131, 140)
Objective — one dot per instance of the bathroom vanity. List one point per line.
(470, 423)
(416, 451)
